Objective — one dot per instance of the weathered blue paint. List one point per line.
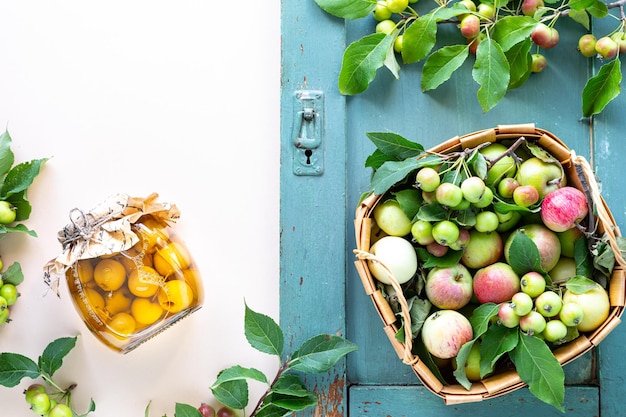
(320, 290)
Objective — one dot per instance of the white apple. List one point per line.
(395, 253)
(561, 209)
(449, 287)
(444, 332)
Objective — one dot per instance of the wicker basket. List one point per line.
(579, 175)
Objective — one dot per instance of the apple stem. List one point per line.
(509, 152)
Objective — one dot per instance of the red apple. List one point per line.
(545, 36)
(530, 7)
(546, 241)
(470, 26)
(444, 332)
(496, 283)
(483, 248)
(449, 288)
(561, 209)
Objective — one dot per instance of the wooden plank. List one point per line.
(609, 136)
(312, 208)
(409, 401)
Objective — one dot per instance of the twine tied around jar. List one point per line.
(588, 179)
(408, 357)
(104, 230)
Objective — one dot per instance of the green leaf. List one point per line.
(395, 145)
(536, 365)
(511, 30)
(497, 341)
(419, 38)
(292, 402)
(185, 410)
(598, 10)
(14, 367)
(361, 60)
(451, 258)
(17, 228)
(289, 384)
(233, 394)
(272, 410)
(347, 9)
(410, 200)
(602, 88)
(441, 64)
(376, 159)
(580, 16)
(481, 318)
(320, 353)
(13, 274)
(520, 61)
(6, 154)
(263, 333)
(52, 357)
(392, 172)
(527, 257)
(580, 285)
(583, 258)
(238, 372)
(492, 72)
(461, 359)
(419, 308)
(581, 4)
(432, 212)
(20, 177)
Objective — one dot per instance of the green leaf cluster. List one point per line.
(14, 367)
(14, 183)
(286, 393)
(502, 51)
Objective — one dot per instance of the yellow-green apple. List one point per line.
(391, 218)
(508, 220)
(564, 269)
(525, 195)
(548, 303)
(595, 304)
(521, 303)
(620, 39)
(445, 232)
(533, 283)
(555, 330)
(395, 253)
(498, 168)
(422, 232)
(546, 241)
(472, 362)
(449, 288)
(572, 314)
(473, 189)
(483, 248)
(607, 47)
(587, 45)
(427, 179)
(448, 194)
(532, 323)
(538, 62)
(506, 186)
(563, 208)
(544, 176)
(444, 332)
(495, 283)
(568, 239)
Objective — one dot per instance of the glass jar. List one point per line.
(127, 297)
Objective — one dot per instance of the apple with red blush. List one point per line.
(563, 208)
(496, 283)
(449, 287)
(444, 332)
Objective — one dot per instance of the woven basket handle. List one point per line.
(588, 179)
(408, 357)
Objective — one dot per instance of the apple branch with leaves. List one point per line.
(505, 37)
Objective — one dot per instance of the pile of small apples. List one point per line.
(460, 239)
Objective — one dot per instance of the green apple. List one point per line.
(564, 269)
(555, 330)
(8, 212)
(568, 239)
(572, 314)
(483, 248)
(548, 303)
(502, 167)
(533, 283)
(521, 303)
(391, 219)
(532, 323)
(544, 176)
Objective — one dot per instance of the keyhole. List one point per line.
(308, 154)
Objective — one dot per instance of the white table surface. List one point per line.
(180, 98)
